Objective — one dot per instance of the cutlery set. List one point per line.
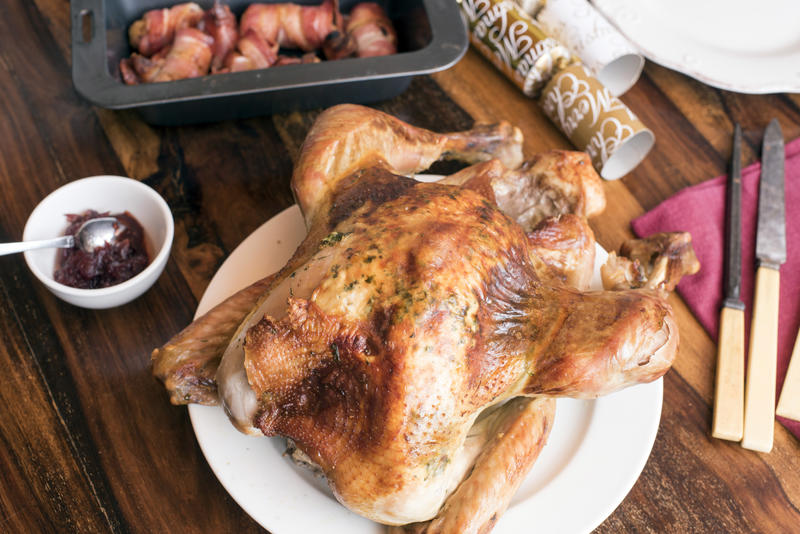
(745, 410)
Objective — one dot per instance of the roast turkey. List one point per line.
(413, 346)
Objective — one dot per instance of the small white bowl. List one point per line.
(101, 193)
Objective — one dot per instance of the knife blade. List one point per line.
(759, 411)
(733, 227)
(771, 233)
(728, 419)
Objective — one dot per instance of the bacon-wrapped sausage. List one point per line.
(292, 25)
(139, 68)
(188, 57)
(220, 23)
(157, 27)
(166, 50)
(372, 31)
(253, 52)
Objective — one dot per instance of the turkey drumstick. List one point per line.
(348, 138)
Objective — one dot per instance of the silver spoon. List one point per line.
(91, 234)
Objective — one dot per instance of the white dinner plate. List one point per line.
(744, 46)
(594, 455)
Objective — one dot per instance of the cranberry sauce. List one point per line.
(108, 265)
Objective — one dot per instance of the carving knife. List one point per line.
(729, 386)
(759, 408)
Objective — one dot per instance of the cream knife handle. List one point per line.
(729, 389)
(759, 407)
(789, 403)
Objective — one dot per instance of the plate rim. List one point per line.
(659, 52)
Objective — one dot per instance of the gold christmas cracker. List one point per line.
(514, 42)
(596, 121)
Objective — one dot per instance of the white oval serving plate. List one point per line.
(748, 47)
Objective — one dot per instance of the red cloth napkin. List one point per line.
(700, 210)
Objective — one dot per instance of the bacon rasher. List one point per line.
(220, 23)
(373, 32)
(252, 52)
(292, 25)
(157, 27)
(188, 57)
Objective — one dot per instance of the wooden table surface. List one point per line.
(90, 442)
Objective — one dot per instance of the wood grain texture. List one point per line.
(50, 478)
(89, 440)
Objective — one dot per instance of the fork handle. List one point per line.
(729, 387)
(66, 241)
(759, 407)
